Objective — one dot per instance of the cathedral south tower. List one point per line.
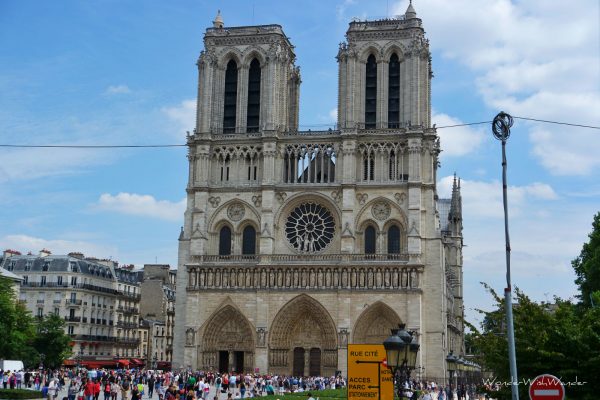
(297, 243)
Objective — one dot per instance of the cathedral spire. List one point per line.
(455, 214)
(218, 22)
(410, 11)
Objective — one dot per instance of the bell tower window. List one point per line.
(394, 93)
(253, 116)
(225, 241)
(229, 108)
(371, 93)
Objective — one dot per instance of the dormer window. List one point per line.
(73, 266)
(46, 266)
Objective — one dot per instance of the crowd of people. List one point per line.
(134, 384)
(103, 384)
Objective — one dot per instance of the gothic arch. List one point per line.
(370, 48)
(303, 323)
(392, 48)
(374, 324)
(254, 52)
(227, 330)
(230, 53)
(396, 214)
(220, 216)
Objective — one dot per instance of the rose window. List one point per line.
(310, 227)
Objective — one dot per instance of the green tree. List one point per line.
(16, 325)
(559, 338)
(587, 267)
(52, 341)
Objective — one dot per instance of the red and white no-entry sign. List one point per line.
(546, 387)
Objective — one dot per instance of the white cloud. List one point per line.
(183, 116)
(457, 141)
(25, 244)
(534, 58)
(117, 89)
(340, 9)
(333, 114)
(483, 199)
(141, 205)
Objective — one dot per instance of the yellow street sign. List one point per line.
(368, 374)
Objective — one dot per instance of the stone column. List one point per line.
(242, 100)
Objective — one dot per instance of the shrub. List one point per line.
(20, 394)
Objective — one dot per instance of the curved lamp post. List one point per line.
(401, 351)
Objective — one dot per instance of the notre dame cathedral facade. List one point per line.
(297, 243)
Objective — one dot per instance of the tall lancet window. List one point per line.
(393, 238)
(229, 109)
(370, 238)
(394, 93)
(249, 240)
(253, 116)
(371, 92)
(225, 241)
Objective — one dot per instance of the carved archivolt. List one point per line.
(303, 322)
(375, 323)
(228, 329)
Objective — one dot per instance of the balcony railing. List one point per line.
(127, 325)
(300, 258)
(72, 319)
(73, 302)
(95, 338)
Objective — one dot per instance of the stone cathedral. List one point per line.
(297, 243)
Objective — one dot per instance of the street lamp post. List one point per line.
(401, 351)
(154, 361)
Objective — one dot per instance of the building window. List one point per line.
(229, 109)
(394, 92)
(249, 240)
(40, 312)
(370, 238)
(25, 279)
(393, 237)
(369, 166)
(371, 92)
(70, 329)
(225, 241)
(42, 281)
(253, 116)
(46, 266)
(73, 280)
(59, 280)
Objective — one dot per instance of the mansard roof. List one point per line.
(58, 263)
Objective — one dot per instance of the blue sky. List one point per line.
(123, 72)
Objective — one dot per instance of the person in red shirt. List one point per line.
(96, 390)
(88, 390)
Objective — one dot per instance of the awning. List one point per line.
(99, 363)
(123, 362)
(137, 361)
(69, 363)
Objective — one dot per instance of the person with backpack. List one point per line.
(125, 388)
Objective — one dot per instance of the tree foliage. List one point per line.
(559, 339)
(24, 337)
(587, 267)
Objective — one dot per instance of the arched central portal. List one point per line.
(228, 342)
(303, 339)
